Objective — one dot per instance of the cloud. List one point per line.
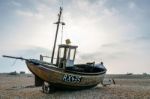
(132, 5)
(16, 3)
(30, 52)
(115, 32)
(29, 14)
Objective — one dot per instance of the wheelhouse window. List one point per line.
(61, 52)
(72, 53)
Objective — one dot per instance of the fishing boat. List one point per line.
(64, 74)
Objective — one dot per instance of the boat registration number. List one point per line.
(71, 78)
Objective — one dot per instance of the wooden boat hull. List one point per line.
(64, 79)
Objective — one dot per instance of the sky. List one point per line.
(116, 32)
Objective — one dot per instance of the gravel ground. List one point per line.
(22, 87)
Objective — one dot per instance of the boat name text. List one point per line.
(71, 78)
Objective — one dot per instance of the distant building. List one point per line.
(13, 73)
(22, 72)
(145, 74)
(129, 74)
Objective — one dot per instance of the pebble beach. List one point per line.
(125, 87)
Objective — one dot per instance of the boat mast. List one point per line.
(58, 22)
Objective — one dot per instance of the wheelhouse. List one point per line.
(66, 56)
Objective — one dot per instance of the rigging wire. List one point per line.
(62, 34)
(14, 62)
(61, 1)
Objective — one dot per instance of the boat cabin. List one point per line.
(66, 56)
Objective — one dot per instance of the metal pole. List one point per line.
(59, 16)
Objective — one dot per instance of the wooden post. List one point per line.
(41, 57)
